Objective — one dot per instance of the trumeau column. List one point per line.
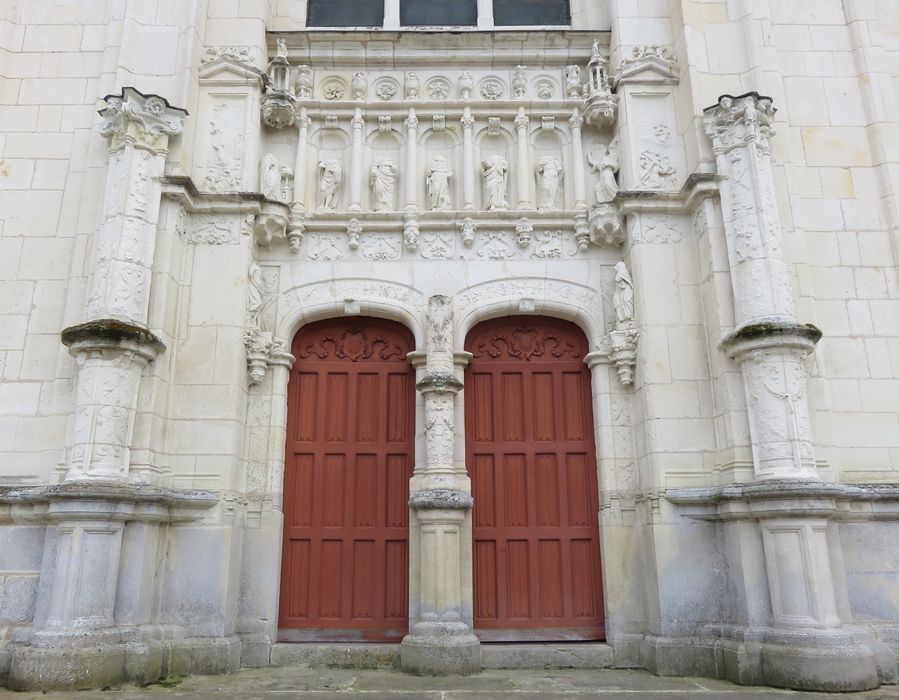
(356, 163)
(114, 345)
(768, 343)
(440, 639)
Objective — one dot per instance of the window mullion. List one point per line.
(485, 14)
(391, 14)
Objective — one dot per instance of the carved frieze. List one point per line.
(354, 345)
(525, 343)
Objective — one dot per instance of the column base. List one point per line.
(97, 661)
(440, 655)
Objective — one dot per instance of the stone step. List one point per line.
(547, 655)
(335, 655)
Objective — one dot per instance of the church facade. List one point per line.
(449, 335)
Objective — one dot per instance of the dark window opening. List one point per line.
(345, 13)
(508, 13)
(424, 13)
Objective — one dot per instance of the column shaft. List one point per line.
(411, 173)
(576, 123)
(356, 163)
(299, 172)
(468, 164)
(524, 164)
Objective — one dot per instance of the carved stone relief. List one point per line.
(224, 167)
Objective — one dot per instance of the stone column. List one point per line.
(114, 345)
(296, 223)
(768, 343)
(299, 171)
(576, 124)
(411, 173)
(356, 163)
(440, 639)
(524, 165)
(581, 227)
(468, 165)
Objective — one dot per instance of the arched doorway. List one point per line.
(531, 456)
(348, 460)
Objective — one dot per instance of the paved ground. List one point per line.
(319, 684)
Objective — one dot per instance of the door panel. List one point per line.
(348, 461)
(532, 463)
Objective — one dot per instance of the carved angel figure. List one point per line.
(437, 178)
(270, 178)
(606, 162)
(549, 170)
(330, 177)
(383, 184)
(623, 296)
(494, 170)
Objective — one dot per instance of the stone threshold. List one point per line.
(535, 656)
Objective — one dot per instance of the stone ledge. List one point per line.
(111, 332)
(441, 499)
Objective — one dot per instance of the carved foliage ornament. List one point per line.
(145, 120)
(738, 121)
(525, 343)
(353, 345)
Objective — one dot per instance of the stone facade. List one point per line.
(707, 188)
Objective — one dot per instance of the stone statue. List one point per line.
(623, 296)
(606, 163)
(438, 177)
(572, 75)
(255, 296)
(494, 170)
(330, 177)
(383, 184)
(270, 178)
(281, 51)
(549, 170)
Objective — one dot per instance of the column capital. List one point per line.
(775, 335)
(144, 121)
(736, 122)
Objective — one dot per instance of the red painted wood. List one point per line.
(349, 457)
(532, 462)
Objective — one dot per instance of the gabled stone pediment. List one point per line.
(226, 69)
(648, 64)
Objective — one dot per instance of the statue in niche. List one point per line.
(255, 297)
(330, 176)
(606, 162)
(572, 75)
(270, 178)
(494, 170)
(383, 184)
(623, 296)
(437, 178)
(549, 170)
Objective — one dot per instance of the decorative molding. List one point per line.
(659, 61)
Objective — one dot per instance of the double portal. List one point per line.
(530, 454)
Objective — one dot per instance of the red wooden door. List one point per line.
(531, 459)
(349, 457)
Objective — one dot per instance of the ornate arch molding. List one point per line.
(306, 303)
(528, 296)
